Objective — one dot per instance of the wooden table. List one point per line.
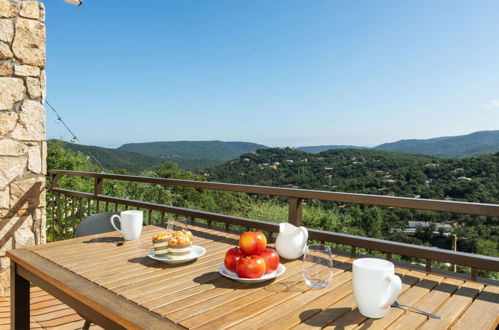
(116, 285)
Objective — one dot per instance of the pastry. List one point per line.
(160, 244)
(179, 245)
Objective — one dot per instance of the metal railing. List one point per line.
(61, 209)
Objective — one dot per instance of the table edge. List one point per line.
(56, 280)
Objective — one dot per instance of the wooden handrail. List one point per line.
(388, 201)
(428, 253)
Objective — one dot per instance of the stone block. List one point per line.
(35, 159)
(38, 226)
(27, 70)
(44, 158)
(34, 88)
(6, 30)
(12, 92)
(30, 9)
(27, 193)
(10, 147)
(7, 245)
(4, 263)
(29, 42)
(8, 8)
(11, 168)
(31, 125)
(5, 52)
(8, 227)
(24, 238)
(4, 198)
(43, 85)
(8, 121)
(5, 69)
(40, 217)
(5, 278)
(42, 12)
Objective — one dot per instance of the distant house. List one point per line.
(464, 178)
(328, 168)
(412, 226)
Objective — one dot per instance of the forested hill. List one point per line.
(213, 150)
(367, 171)
(132, 162)
(474, 144)
(113, 159)
(317, 149)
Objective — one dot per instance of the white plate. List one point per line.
(227, 273)
(196, 252)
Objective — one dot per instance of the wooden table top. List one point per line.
(194, 295)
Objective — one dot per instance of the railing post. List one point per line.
(474, 274)
(98, 189)
(98, 186)
(353, 252)
(294, 214)
(428, 266)
(53, 180)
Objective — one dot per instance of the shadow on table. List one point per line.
(148, 262)
(110, 239)
(307, 317)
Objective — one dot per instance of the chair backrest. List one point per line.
(96, 224)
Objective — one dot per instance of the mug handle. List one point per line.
(395, 286)
(112, 221)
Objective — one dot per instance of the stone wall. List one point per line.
(22, 128)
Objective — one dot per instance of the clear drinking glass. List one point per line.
(176, 225)
(317, 268)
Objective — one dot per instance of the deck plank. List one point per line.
(454, 306)
(483, 313)
(430, 303)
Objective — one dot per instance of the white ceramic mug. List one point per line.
(375, 286)
(130, 222)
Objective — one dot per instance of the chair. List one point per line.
(95, 224)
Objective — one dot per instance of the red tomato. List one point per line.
(271, 259)
(232, 256)
(252, 242)
(251, 267)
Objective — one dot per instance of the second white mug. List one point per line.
(375, 286)
(130, 222)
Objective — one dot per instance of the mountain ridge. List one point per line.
(459, 146)
(212, 150)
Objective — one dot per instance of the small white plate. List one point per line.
(196, 252)
(227, 273)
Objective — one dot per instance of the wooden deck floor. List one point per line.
(46, 313)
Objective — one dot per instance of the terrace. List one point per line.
(122, 294)
(458, 296)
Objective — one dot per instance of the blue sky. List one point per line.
(280, 73)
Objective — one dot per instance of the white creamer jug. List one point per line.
(291, 241)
